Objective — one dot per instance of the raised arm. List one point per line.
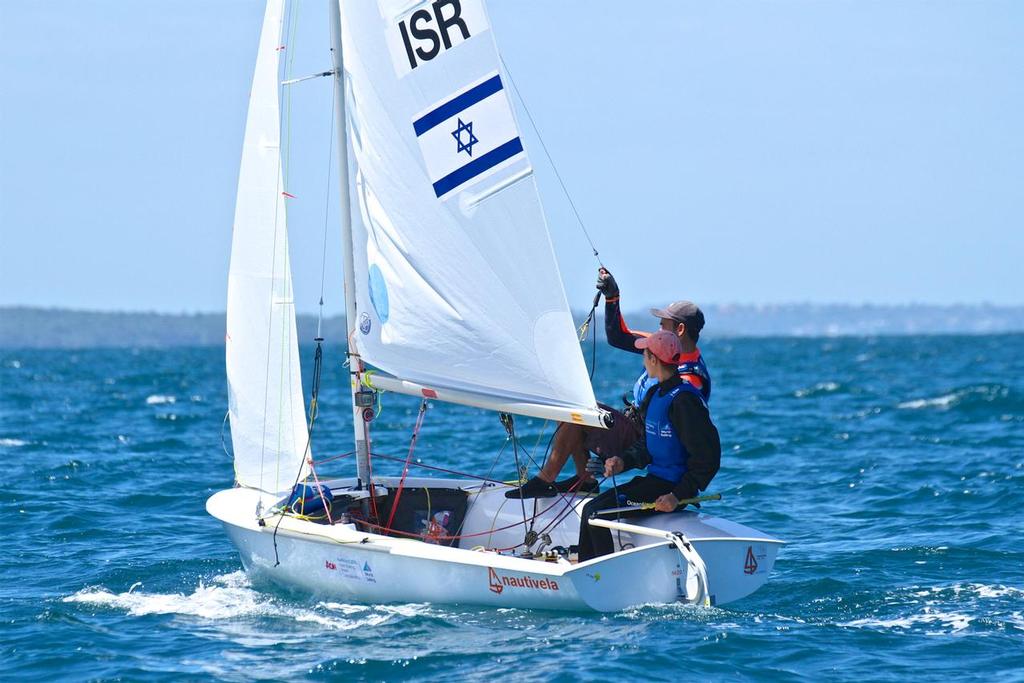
(618, 333)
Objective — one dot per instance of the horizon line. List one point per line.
(641, 308)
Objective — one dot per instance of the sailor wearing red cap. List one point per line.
(680, 448)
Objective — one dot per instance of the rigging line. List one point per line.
(570, 505)
(551, 161)
(618, 515)
(307, 455)
(486, 478)
(585, 330)
(551, 440)
(515, 445)
(408, 458)
(510, 426)
(327, 208)
(449, 538)
(568, 500)
(444, 470)
(223, 440)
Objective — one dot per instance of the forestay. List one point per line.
(268, 427)
(456, 281)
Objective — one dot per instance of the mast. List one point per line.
(359, 425)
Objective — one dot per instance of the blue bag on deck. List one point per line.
(308, 500)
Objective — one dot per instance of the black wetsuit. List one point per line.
(615, 329)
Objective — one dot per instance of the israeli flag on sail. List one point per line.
(470, 134)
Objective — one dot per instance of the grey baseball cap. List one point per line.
(685, 312)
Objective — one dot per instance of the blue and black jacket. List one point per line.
(681, 444)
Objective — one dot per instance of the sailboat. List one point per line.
(452, 294)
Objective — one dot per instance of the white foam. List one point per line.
(982, 590)
(230, 596)
(820, 387)
(939, 402)
(160, 399)
(986, 591)
(951, 622)
(12, 443)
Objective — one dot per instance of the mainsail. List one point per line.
(268, 426)
(456, 283)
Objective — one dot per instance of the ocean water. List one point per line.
(894, 468)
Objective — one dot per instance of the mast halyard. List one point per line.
(360, 427)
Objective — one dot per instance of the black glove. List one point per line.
(606, 284)
(637, 456)
(632, 413)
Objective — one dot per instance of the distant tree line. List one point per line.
(24, 327)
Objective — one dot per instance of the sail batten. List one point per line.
(268, 427)
(456, 283)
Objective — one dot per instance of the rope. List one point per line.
(408, 458)
(455, 537)
(551, 161)
(510, 426)
(584, 330)
(320, 490)
(223, 439)
(327, 210)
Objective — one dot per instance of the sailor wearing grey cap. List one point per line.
(686, 320)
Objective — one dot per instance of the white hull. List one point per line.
(343, 563)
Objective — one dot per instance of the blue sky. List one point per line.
(728, 152)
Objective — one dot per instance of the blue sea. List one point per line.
(893, 467)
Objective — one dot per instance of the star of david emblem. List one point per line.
(469, 138)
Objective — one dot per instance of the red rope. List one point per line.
(320, 490)
(408, 458)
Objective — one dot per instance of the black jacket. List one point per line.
(692, 423)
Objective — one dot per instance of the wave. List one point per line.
(949, 622)
(982, 394)
(13, 443)
(947, 609)
(940, 402)
(160, 399)
(818, 389)
(231, 596)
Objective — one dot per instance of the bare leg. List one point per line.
(568, 441)
(579, 458)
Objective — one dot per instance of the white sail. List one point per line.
(268, 426)
(456, 281)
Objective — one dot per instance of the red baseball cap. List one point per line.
(665, 346)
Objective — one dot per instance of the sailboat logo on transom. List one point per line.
(479, 118)
(753, 563)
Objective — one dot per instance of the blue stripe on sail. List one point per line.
(478, 166)
(456, 105)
